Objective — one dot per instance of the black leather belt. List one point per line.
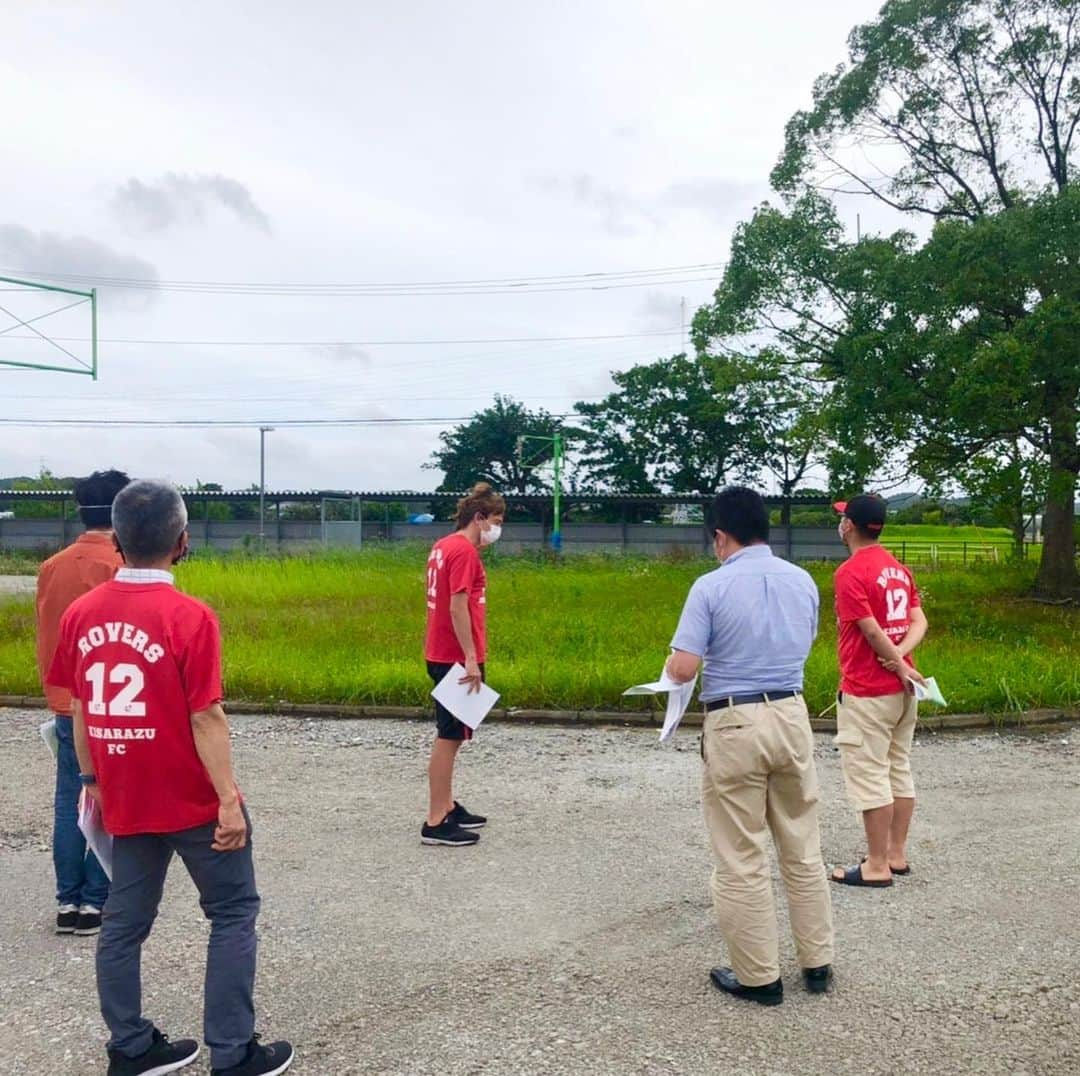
(748, 700)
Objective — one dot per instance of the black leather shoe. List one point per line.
(818, 980)
(770, 994)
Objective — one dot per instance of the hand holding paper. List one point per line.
(468, 706)
(679, 696)
(928, 692)
(93, 828)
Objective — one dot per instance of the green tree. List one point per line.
(34, 509)
(825, 307)
(487, 447)
(789, 415)
(964, 112)
(677, 425)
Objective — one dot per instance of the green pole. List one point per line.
(93, 334)
(556, 531)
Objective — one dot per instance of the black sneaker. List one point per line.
(89, 921)
(163, 1056)
(261, 1060)
(818, 980)
(447, 832)
(66, 918)
(769, 994)
(466, 820)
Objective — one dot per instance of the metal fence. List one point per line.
(298, 536)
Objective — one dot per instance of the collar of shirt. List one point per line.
(95, 537)
(762, 550)
(143, 575)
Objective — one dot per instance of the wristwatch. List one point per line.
(88, 778)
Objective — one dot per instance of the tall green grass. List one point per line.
(349, 627)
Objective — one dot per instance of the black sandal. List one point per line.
(853, 876)
(896, 873)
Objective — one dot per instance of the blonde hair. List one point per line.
(480, 499)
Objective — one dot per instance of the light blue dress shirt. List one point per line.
(752, 622)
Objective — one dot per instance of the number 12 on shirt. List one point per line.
(126, 702)
(897, 601)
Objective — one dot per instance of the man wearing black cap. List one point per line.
(880, 622)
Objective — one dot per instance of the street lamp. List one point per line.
(263, 431)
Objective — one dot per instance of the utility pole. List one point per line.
(556, 529)
(556, 443)
(263, 431)
(682, 321)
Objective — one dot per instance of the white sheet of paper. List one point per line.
(93, 829)
(679, 696)
(930, 692)
(470, 709)
(48, 734)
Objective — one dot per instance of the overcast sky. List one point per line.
(371, 143)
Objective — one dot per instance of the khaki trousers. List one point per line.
(759, 778)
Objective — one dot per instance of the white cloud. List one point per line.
(179, 199)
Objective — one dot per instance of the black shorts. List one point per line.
(448, 727)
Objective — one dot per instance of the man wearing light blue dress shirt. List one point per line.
(749, 626)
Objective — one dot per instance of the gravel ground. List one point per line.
(577, 937)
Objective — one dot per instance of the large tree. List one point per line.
(488, 447)
(963, 111)
(670, 426)
(814, 310)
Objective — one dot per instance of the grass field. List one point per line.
(349, 627)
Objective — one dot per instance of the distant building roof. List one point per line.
(398, 495)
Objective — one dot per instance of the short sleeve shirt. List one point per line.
(454, 567)
(141, 658)
(90, 560)
(872, 583)
(752, 621)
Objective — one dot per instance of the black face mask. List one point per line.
(183, 555)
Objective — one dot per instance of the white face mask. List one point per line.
(840, 531)
(491, 535)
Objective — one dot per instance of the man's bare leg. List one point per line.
(877, 823)
(441, 779)
(903, 809)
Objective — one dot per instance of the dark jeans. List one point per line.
(227, 894)
(79, 877)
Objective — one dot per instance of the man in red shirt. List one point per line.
(143, 665)
(457, 633)
(880, 622)
(81, 884)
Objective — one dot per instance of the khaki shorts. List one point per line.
(874, 736)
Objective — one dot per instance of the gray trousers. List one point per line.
(227, 894)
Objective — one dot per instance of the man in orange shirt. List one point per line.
(81, 884)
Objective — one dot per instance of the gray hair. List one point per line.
(148, 517)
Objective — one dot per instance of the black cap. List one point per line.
(866, 511)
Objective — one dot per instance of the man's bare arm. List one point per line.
(682, 666)
(461, 620)
(82, 741)
(916, 632)
(82, 746)
(210, 727)
(887, 651)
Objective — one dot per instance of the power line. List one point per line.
(242, 423)
(358, 343)
(489, 285)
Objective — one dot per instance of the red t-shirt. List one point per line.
(454, 566)
(872, 582)
(141, 658)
